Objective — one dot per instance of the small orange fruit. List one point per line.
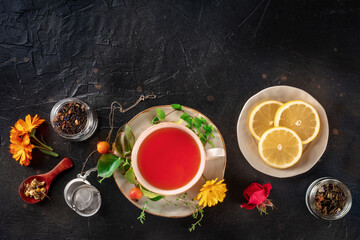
(135, 193)
(103, 147)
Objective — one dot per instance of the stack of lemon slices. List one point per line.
(282, 129)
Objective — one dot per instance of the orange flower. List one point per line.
(14, 133)
(29, 124)
(21, 148)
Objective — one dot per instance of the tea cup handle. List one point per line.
(214, 153)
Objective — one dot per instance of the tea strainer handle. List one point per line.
(87, 173)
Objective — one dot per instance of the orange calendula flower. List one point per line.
(211, 193)
(21, 148)
(29, 124)
(20, 135)
(14, 133)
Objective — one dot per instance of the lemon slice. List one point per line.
(301, 117)
(280, 147)
(262, 117)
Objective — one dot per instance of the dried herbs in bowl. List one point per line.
(328, 199)
(73, 119)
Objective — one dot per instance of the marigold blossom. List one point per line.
(20, 135)
(21, 148)
(211, 193)
(29, 124)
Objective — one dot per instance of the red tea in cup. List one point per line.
(168, 158)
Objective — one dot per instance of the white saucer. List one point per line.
(249, 146)
(213, 168)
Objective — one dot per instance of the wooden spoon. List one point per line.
(47, 177)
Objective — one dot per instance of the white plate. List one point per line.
(213, 168)
(249, 145)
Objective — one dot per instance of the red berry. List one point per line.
(103, 147)
(135, 193)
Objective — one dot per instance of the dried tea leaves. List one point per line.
(71, 118)
(329, 199)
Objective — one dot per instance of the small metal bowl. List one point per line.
(311, 193)
(91, 122)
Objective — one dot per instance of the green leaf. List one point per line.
(156, 198)
(130, 176)
(203, 120)
(196, 122)
(154, 121)
(148, 194)
(208, 128)
(124, 141)
(130, 138)
(176, 106)
(129, 141)
(186, 117)
(115, 148)
(122, 138)
(160, 113)
(107, 164)
(211, 143)
(198, 131)
(119, 143)
(203, 139)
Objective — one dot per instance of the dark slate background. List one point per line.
(209, 55)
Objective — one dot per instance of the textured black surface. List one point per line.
(209, 55)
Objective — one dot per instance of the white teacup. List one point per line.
(204, 155)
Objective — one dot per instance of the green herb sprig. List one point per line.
(198, 125)
(197, 223)
(192, 205)
(142, 214)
